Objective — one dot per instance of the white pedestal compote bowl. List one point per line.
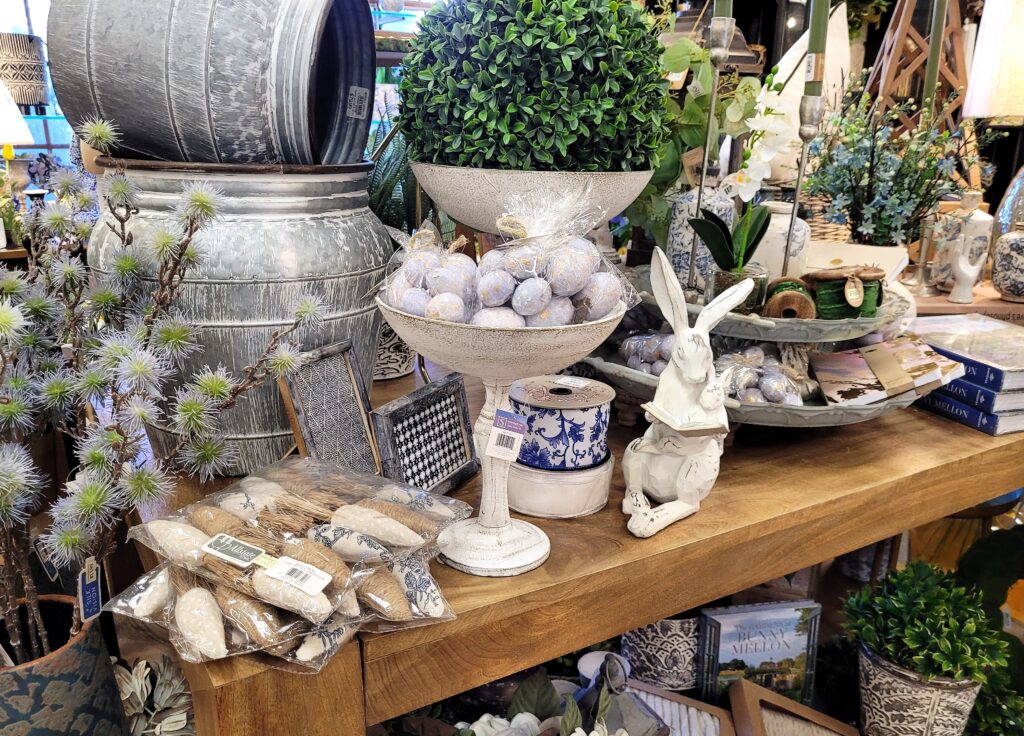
(493, 544)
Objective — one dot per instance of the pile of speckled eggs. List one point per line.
(529, 285)
(755, 375)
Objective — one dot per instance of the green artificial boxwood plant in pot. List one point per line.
(926, 649)
(524, 94)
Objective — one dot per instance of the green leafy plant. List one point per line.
(565, 85)
(733, 249)
(859, 12)
(923, 620)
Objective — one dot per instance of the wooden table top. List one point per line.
(986, 302)
(785, 499)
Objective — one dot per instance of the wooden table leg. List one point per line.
(271, 702)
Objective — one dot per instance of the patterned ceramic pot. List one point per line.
(664, 653)
(772, 250)
(567, 421)
(897, 702)
(1008, 266)
(394, 358)
(680, 234)
(69, 691)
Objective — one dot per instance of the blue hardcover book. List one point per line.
(991, 350)
(994, 424)
(987, 400)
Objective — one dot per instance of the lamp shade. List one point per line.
(996, 84)
(13, 128)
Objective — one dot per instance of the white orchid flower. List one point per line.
(524, 724)
(741, 184)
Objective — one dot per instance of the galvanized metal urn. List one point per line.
(283, 232)
(260, 81)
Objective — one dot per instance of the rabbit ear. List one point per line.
(668, 292)
(722, 304)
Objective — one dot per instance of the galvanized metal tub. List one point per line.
(284, 231)
(264, 81)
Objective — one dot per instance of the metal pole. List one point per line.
(812, 109)
(722, 29)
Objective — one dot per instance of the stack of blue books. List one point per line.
(990, 396)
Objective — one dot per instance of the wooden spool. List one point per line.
(789, 303)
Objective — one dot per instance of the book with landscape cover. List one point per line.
(984, 399)
(876, 372)
(991, 350)
(772, 644)
(994, 424)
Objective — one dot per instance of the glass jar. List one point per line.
(721, 280)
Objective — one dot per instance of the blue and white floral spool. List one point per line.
(567, 421)
(680, 233)
(1008, 265)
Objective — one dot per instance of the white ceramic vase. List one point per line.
(681, 235)
(964, 230)
(772, 251)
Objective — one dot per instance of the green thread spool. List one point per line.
(830, 292)
(789, 298)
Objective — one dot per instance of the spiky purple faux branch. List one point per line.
(92, 358)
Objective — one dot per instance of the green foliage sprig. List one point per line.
(733, 249)
(567, 85)
(923, 620)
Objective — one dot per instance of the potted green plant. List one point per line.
(93, 357)
(500, 96)
(926, 649)
(733, 250)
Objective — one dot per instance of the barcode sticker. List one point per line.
(572, 382)
(358, 102)
(506, 435)
(310, 580)
(238, 553)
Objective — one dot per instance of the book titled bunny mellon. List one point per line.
(676, 462)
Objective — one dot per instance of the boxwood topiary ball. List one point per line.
(559, 85)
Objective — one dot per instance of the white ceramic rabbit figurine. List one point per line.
(965, 274)
(677, 459)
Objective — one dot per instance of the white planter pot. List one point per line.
(476, 197)
(772, 250)
(897, 702)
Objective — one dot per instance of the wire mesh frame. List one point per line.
(328, 409)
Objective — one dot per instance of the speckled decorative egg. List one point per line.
(444, 280)
(419, 263)
(774, 387)
(751, 396)
(490, 261)
(495, 288)
(461, 262)
(792, 400)
(502, 317)
(658, 367)
(557, 313)
(396, 287)
(567, 271)
(598, 297)
(531, 296)
(634, 362)
(414, 301)
(447, 307)
(525, 261)
(589, 250)
(650, 350)
(756, 353)
(668, 345)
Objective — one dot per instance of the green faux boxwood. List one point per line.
(563, 85)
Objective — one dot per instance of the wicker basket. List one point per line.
(813, 211)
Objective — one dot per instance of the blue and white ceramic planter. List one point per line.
(680, 233)
(567, 421)
(968, 228)
(1008, 266)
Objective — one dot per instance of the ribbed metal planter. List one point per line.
(283, 232)
(261, 81)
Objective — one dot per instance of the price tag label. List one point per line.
(572, 382)
(90, 599)
(228, 548)
(358, 104)
(815, 68)
(44, 559)
(310, 580)
(506, 435)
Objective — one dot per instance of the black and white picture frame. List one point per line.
(328, 408)
(425, 438)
